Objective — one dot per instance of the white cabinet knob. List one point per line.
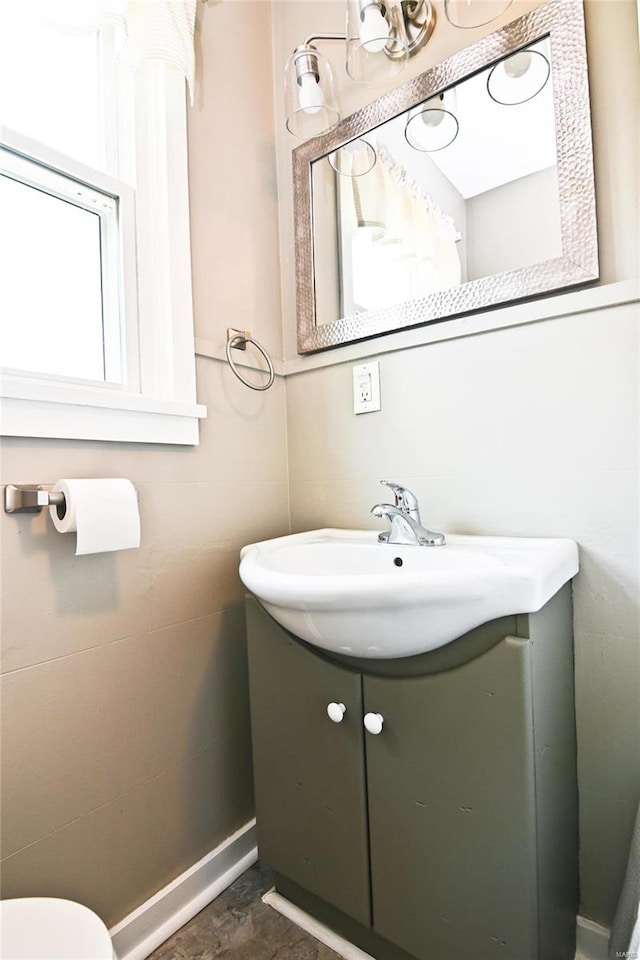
(373, 723)
(336, 712)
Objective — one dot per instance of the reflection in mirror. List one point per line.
(482, 192)
(354, 159)
(463, 186)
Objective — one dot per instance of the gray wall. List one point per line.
(125, 735)
(514, 225)
(531, 430)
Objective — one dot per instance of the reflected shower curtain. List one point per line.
(405, 246)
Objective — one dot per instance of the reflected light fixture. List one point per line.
(433, 125)
(519, 78)
(381, 35)
(354, 159)
(467, 14)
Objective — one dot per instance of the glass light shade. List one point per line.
(354, 159)
(518, 78)
(467, 14)
(376, 50)
(310, 101)
(433, 125)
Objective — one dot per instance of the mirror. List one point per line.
(469, 187)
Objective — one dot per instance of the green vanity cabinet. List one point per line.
(451, 835)
(452, 808)
(309, 772)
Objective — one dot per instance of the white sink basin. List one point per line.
(346, 592)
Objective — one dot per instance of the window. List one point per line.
(67, 230)
(97, 332)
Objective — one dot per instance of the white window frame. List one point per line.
(160, 406)
(38, 166)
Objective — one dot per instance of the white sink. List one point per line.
(346, 592)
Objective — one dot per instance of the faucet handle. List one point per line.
(405, 499)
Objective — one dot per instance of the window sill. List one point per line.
(72, 412)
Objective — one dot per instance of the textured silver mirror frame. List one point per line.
(563, 20)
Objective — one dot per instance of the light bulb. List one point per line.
(310, 95)
(431, 128)
(519, 78)
(517, 65)
(374, 29)
(433, 116)
(433, 112)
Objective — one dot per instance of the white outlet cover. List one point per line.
(366, 387)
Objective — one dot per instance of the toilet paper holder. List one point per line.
(27, 498)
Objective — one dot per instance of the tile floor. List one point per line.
(237, 925)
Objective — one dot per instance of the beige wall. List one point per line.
(531, 430)
(125, 740)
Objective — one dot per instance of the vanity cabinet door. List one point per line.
(309, 770)
(452, 809)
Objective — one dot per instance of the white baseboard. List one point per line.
(142, 932)
(313, 927)
(139, 934)
(592, 940)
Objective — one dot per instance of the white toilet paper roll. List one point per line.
(103, 513)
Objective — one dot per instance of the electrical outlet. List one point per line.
(366, 387)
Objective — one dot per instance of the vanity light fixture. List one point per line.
(467, 14)
(381, 36)
(433, 125)
(310, 100)
(519, 78)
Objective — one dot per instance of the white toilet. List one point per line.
(44, 928)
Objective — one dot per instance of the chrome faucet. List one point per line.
(404, 519)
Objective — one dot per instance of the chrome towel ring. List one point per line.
(238, 340)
